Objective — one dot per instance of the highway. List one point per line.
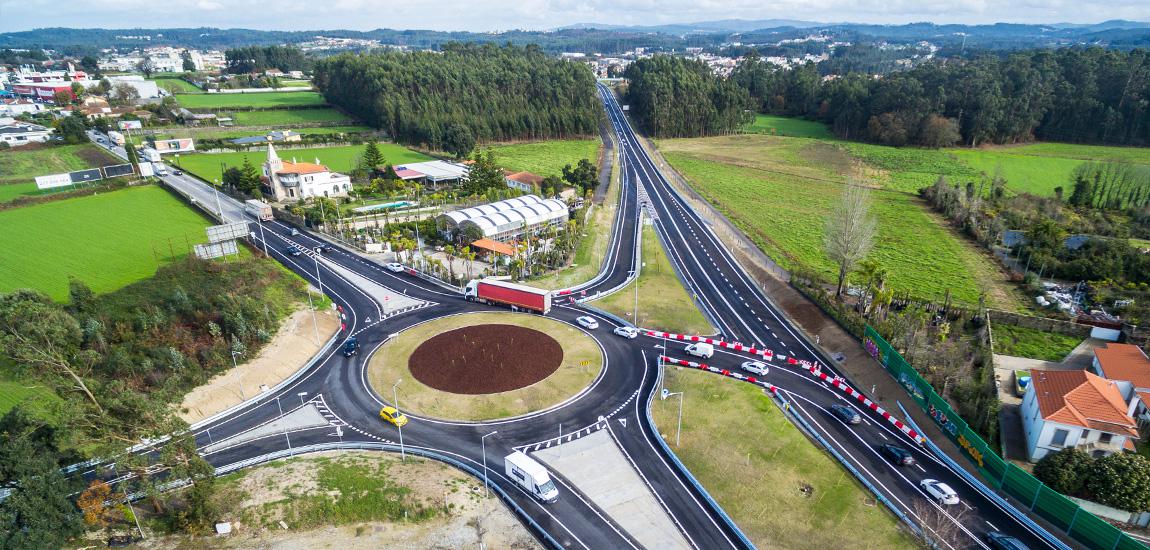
(336, 385)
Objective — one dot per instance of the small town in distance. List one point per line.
(869, 276)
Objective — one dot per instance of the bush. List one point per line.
(1065, 471)
(1121, 480)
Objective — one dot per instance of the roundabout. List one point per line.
(479, 367)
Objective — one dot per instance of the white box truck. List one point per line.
(116, 137)
(532, 476)
(258, 209)
(149, 154)
(160, 169)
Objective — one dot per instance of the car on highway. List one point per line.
(350, 347)
(294, 251)
(626, 332)
(178, 172)
(896, 454)
(939, 491)
(700, 349)
(587, 322)
(846, 414)
(324, 247)
(394, 267)
(1002, 541)
(392, 415)
(756, 367)
(294, 231)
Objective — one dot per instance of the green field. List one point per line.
(177, 85)
(339, 159)
(284, 117)
(9, 191)
(23, 164)
(13, 393)
(217, 132)
(295, 83)
(754, 462)
(1031, 343)
(106, 240)
(779, 191)
(1039, 168)
(787, 126)
(546, 158)
(258, 100)
(664, 303)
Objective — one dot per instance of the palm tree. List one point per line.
(469, 260)
(449, 251)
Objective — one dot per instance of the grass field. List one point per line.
(106, 240)
(9, 191)
(1034, 344)
(339, 159)
(215, 132)
(663, 302)
(390, 364)
(177, 85)
(787, 126)
(264, 100)
(546, 158)
(13, 393)
(284, 117)
(779, 191)
(23, 164)
(753, 462)
(295, 83)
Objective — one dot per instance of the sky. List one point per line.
(496, 15)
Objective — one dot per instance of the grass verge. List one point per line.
(21, 165)
(1034, 344)
(286, 117)
(663, 302)
(753, 461)
(210, 166)
(390, 364)
(787, 126)
(258, 100)
(107, 240)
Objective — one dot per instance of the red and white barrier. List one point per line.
(764, 353)
(736, 375)
(840, 384)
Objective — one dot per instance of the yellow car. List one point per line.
(390, 414)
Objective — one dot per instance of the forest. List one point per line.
(252, 59)
(468, 93)
(1074, 95)
(676, 97)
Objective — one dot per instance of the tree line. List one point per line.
(677, 97)
(251, 59)
(1077, 95)
(468, 93)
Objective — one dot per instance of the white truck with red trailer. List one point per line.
(502, 292)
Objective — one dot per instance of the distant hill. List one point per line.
(703, 27)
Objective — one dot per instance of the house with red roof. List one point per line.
(1075, 408)
(1128, 366)
(291, 181)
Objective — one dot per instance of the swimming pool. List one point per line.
(386, 206)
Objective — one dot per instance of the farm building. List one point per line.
(505, 220)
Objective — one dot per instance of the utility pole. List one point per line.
(679, 428)
(286, 436)
(395, 400)
(486, 489)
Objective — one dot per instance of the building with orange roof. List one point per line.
(294, 181)
(1128, 366)
(523, 181)
(1075, 408)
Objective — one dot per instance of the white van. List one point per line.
(700, 349)
(532, 476)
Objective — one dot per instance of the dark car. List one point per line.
(846, 414)
(294, 251)
(896, 454)
(1002, 541)
(324, 247)
(178, 172)
(350, 347)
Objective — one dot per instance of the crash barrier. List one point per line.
(689, 476)
(736, 375)
(986, 491)
(1063, 513)
(814, 369)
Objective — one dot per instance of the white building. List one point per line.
(1127, 366)
(505, 220)
(145, 88)
(1075, 408)
(293, 181)
(16, 133)
(19, 106)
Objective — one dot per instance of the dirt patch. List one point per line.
(485, 359)
(290, 349)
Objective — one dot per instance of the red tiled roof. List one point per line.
(525, 177)
(1124, 362)
(1080, 398)
(494, 246)
(301, 168)
(407, 173)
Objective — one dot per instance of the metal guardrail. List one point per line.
(691, 478)
(982, 488)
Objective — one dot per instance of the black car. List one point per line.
(846, 414)
(178, 172)
(324, 247)
(294, 251)
(350, 347)
(896, 454)
(1002, 541)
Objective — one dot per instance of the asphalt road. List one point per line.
(618, 397)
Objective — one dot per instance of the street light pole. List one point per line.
(286, 436)
(317, 276)
(219, 208)
(311, 306)
(301, 396)
(260, 222)
(395, 401)
(236, 367)
(679, 428)
(483, 444)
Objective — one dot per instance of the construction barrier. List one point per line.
(736, 375)
(1047, 503)
(764, 353)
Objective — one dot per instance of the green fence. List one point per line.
(1060, 511)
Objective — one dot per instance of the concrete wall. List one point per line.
(1056, 326)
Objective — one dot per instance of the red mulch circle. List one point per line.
(484, 359)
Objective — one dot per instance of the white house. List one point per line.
(19, 106)
(293, 181)
(1075, 408)
(16, 134)
(1127, 366)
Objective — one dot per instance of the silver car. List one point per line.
(939, 491)
(756, 367)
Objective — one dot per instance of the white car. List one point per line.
(939, 491)
(626, 332)
(394, 267)
(588, 322)
(757, 367)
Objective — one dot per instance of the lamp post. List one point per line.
(236, 366)
(286, 436)
(483, 444)
(317, 276)
(679, 428)
(395, 401)
(301, 396)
